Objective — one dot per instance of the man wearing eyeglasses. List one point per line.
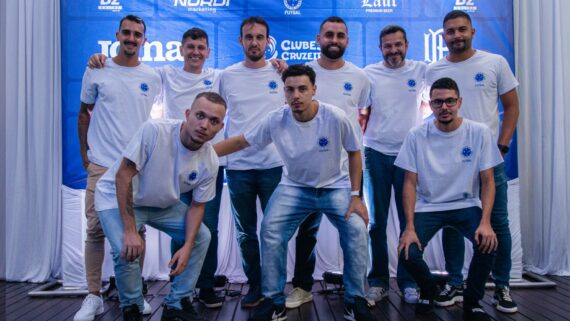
(484, 79)
(449, 182)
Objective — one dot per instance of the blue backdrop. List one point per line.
(89, 27)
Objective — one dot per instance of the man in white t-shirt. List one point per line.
(484, 79)
(252, 89)
(314, 181)
(165, 159)
(342, 84)
(115, 102)
(449, 182)
(395, 108)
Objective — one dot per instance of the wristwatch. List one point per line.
(503, 148)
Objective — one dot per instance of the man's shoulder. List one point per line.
(332, 111)
(475, 126)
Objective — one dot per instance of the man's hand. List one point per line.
(180, 259)
(486, 239)
(133, 246)
(408, 238)
(279, 64)
(85, 161)
(97, 61)
(357, 206)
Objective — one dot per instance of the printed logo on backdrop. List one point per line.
(303, 50)
(154, 51)
(202, 5)
(110, 5)
(434, 46)
(292, 7)
(465, 5)
(379, 6)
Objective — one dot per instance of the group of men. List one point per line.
(302, 159)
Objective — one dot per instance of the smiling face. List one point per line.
(333, 39)
(195, 53)
(131, 38)
(394, 47)
(458, 34)
(254, 41)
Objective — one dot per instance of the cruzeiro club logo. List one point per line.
(272, 85)
(207, 83)
(479, 77)
(144, 87)
(411, 83)
(347, 86)
(192, 176)
(292, 4)
(466, 152)
(271, 50)
(323, 143)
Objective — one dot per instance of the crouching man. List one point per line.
(164, 159)
(449, 182)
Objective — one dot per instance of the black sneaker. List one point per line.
(424, 306)
(267, 311)
(252, 298)
(474, 313)
(210, 299)
(358, 311)
(132, 313)
(449, 295)
(503, 300)
(186, 314)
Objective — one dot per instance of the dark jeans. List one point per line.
(305, 259)
(211, 217)
(380, 175)
(454, 245)
(427, 224)
(245, 186)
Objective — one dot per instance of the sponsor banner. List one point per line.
(380, 8)
(107, 8)
(201, 9)
(291, 8)
(475, 8)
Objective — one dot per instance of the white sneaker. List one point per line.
(147, 308)
(297, 297)
(411, 295)
(376, 294)
(92, 305)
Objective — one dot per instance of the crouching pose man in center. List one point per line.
(164, 159)
(449, 163)
(309, 136)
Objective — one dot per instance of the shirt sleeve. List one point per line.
(407, 157)
(490, 154)
(260, 136)
(364, 99)
(89, 89)
(206, 190)
(141, 145)
(506, 78)
(350, 134)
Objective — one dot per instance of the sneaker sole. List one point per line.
(296, 304)
(211, 305)
(503, 309)
(251, 304)
(457, 299)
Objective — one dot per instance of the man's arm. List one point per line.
(83, 120)
(484, 235)
(194, 218)
(355, 174)
(96, 61)
(231, 145)
(133, 244)
(363, 116)
(510, 102)
(409, 236)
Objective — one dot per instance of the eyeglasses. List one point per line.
(438, 103)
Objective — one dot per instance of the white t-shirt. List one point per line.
(251, 94)
(347, 87)
(310, 150)
(448, 165)
(166, 169)
(395, 100)
(123, 98)
(180, 88)
(481, 80)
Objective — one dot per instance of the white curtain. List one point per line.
(32, 138)
(542, 38)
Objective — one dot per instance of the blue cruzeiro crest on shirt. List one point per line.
(144, 87)
(411, 83)
(323, 143)
(347, 86)
(207, 82)
(479, 77)
(192, 176)
(272, 85)
(466, 152)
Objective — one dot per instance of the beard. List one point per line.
(255, 57)
(333, 54)
(461, 49)
(393, 62)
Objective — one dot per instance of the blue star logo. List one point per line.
(323, 141)
(411, 83)
(347, 86)
(272, 85)
(144, 87)
(192, 176)
(207, 82)
(466, 152)
(479, 77)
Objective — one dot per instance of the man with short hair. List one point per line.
(252, 90)
(342, 84)
(484, 79)
(165, 159)
(115, 102)
(449, 182)
(395, 108)
(315, 181)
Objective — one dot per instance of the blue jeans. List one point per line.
(287, 208)
(454, 245)
(466, 221)
(170, 220)
(245, 186)
(305, 259)
(380, 175)
(211, 218)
